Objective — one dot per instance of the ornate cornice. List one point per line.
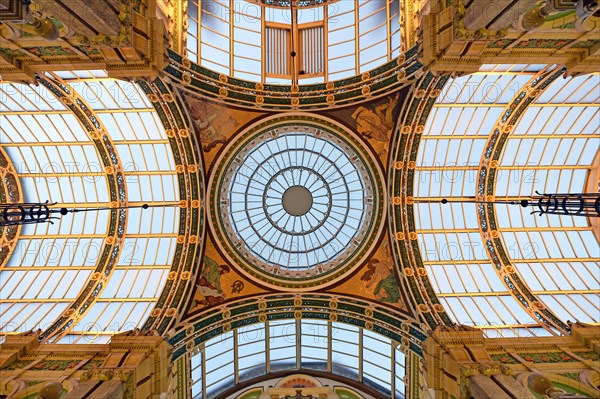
(453, 357)
(450, 46)
(133, 43)
(189, 166)
(376, 83)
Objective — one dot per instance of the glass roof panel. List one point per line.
(21, 98)
(28, 315)
(551, 150)
(360, 35)
(486, 312)
(567, 138)
(57, 161)
(337, 348)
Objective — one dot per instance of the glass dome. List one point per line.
(296, 201)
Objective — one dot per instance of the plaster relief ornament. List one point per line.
(209, 283)
(381, 280)
(376, 122)
(213, 127)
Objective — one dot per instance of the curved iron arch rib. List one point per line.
(182, 275)
(401, 175)
(118, 217)
(403, 162)
(376, 83)
(486, 212)
(190, 334)
(10, 193)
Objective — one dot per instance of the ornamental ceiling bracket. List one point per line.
(415, 376)
(486, 214)
(410, 21)
(10, 193)
(190, 173)
(123, 37)
(407, 255)
(117, 220)
(461, 32)
(176, 21)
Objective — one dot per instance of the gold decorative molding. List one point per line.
(10, 192)
(121, 366)
(448, 46)
(453, 357)
(13, 10)
(126, 39)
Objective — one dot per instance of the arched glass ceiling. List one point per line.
(255, 350)
(57, 160)
(449, 236)
(551, 150)
(252, 42)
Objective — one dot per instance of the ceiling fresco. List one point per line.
(220, 280)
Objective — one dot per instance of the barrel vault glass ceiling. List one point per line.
(251, 41)
(57, 160)
(551, 150)
(341, 349)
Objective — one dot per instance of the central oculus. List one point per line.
(297, 200)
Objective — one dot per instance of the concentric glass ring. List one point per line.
(289, 182)
(297, 201)
(324, 209)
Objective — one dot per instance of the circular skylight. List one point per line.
(296, 201)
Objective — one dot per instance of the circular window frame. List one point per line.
(272, 275)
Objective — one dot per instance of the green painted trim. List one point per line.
(403, 152)
(196, 329)
(375, 83)
(178, 291)
(553, 17)
(109, 254)
(405, 147)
